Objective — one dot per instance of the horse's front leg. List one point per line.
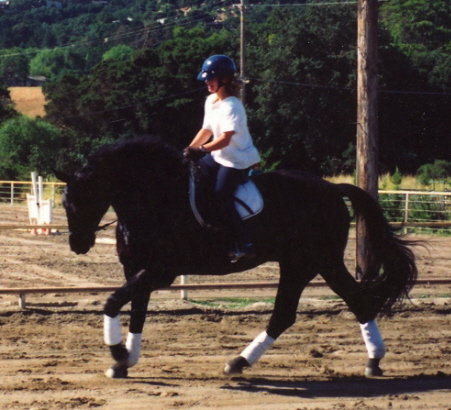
(137, 291)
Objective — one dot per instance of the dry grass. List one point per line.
(28, 100)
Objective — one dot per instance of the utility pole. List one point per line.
(242, 8)
(367, 119)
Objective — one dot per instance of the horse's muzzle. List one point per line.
(81, 244)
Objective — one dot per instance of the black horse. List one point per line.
(304, 227)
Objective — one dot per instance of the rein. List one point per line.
(104, 226)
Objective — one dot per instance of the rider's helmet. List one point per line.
(218, 65)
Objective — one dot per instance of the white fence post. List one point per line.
(406, 211)
(22, 301)
(184, 292)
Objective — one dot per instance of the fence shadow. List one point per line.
(342, 387)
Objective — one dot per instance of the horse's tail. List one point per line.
(395, 271)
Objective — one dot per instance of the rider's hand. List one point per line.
(193, 153)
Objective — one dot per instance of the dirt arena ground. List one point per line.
(52, 354)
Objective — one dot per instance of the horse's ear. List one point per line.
(62, 176)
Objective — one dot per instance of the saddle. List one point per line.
(248, 200)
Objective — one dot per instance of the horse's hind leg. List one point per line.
(136, 291)
(345, 286)
(290, 288)
(375, 347)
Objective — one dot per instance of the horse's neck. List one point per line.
(152, 200)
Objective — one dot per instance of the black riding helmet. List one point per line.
(218, 65)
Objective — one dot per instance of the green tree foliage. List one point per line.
(6, 105)
(154, 92)
(13, 66)
(55, 63)
(119, 53)
(431, 173)
(422, 30)
(28, 145)
(304, 66)
(116, 71)
(396, 178)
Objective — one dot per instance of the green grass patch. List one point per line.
(434, 295)
(331, 297)
(231, 303)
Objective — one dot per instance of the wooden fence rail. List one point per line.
(432, 224)
(22, 292)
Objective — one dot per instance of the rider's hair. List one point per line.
(233, 84)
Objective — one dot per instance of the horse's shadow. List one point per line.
(352, 386)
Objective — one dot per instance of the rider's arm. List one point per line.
(201, 138)
(219, 143)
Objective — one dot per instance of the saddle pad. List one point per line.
(248, 200)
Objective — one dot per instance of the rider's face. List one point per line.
(212, 85)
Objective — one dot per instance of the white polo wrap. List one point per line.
(133, 345)
(257, 348)
(112, 334)
(373, 340)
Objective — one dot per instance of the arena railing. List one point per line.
(15, 192)
(409, 208)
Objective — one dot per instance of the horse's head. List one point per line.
(85, 203)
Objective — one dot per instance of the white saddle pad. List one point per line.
(249, 201)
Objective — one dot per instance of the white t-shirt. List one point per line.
(229, 115)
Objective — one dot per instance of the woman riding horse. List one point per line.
(304, 227)
(231, 148)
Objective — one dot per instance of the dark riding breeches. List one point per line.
(222, 182)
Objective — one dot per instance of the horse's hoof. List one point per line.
(117, 372)
(236, 366)
(373, 372)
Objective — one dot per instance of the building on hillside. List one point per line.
(35, 81)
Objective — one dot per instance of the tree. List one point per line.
(431, 173)
(396, 179)
(417, 25)
(28, 145)
(304, 109)
(154, 92)
(125, 76)
(58, 62)
(422, 30)
(119, 53)
(6, 105)
(13, 67)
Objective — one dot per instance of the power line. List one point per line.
(340, 3)
(290, 83)
(319, 4)
(112, 37)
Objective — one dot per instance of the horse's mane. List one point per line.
(136, 156)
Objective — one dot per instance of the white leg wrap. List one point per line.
(373, 340)
(112, 334)
(257, 348)
(133, 345)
